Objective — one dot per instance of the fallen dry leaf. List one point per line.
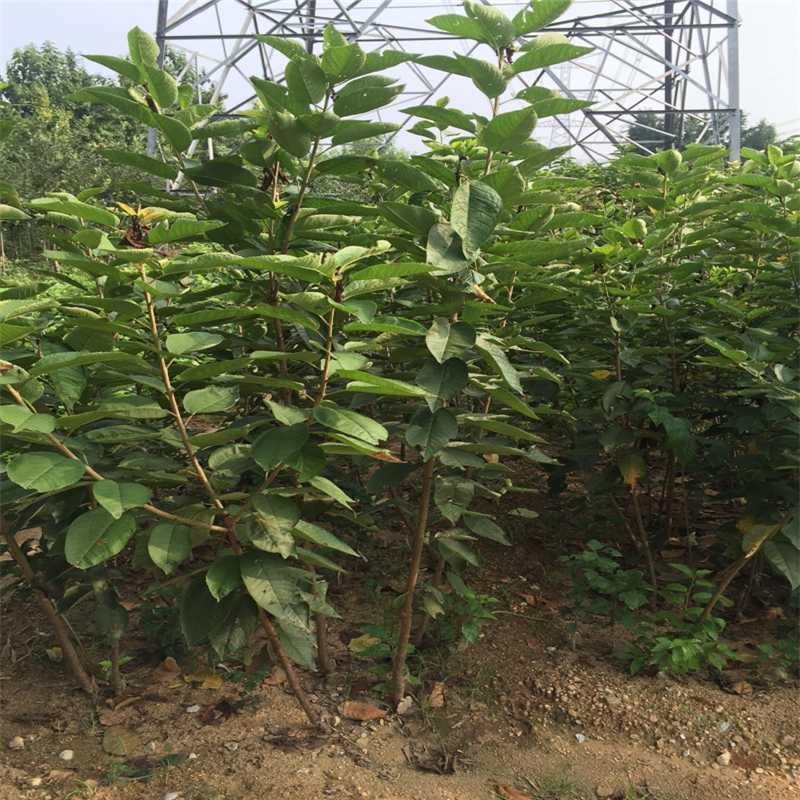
(509, 792)
(217, 714)
(436, 697)
(362, 712)
(120, 741)
(741, 619)
(275, 678)
(54, 654)
(108, 718)
(742, 687)
(207, 680)
(361, 643)
(538, 601)
(776, 612)
(491, 458)
(118, 703)
(167, 671)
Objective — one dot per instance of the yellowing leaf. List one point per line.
(752, 448)
(745, 523)
(361, 643)
(602, 373)
(206, 679)
(755, 537)
(632, 467)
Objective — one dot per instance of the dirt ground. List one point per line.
(522, 710)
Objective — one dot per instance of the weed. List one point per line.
(557, 784)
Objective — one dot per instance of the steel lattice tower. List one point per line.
(676, 59)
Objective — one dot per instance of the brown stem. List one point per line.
(68, 652)
(403, 515)
(116, 682)
(669, 498)
(736, 567)
(407, 609)
(651, 567)
(625, 524)
(176, 411)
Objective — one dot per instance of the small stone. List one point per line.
(788, 741)
(66, 755)
(192, 755)
(405, 704)
(35, 782)
(362, 743)
(686, 753)
(723, 726)
(653, 718)
(231, 746)
(604, 791)
(724, 758)
(336, 721)
(612, 701)
(172, 795)
(580, 738)
(192, 709)
(17, 743)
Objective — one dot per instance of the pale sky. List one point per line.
(769, 41)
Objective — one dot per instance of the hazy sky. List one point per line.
(770, 42)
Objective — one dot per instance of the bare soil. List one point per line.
(522, 709)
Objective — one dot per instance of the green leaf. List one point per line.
(289, 47)
(96, 536)
(119, 65)
(447, 340)
(317, 535)
(77, 209)
(306, 80)
(181, 344)
(269, 581)
(132, 406)
(143, 48)
(12, 214)
(309, 461)
(539, 14)
(179, 229)
(444, 380)
(342, 62)
(670, 161)
(45, 472)
(414, 219)
(632, 467)
(486, 529)
(278, 515)
(497, 27)
(150, 165)
(443, 117)
(431, 430)
(118, 497)
(476, 210)
(289, 134)
(350, 422)
(175, 132)
(224, 576)
(489, 423)
(169, 545)
(544, 52)
(494, 355)
(784, 556)
(221, 172)
(509, 130)
(452, 496)
(366, 99)
(211, 399)
(484, 75)
(332, 490)
(352, 130)
(464, 27)
(445, 250)
(275, 445)
(450, 547)
(161, 86)
(23, 420)
(319, 123)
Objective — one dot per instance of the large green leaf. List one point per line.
(150, 165)
(275, 445)
(414, 219)
(118, 497)
(169, 545)
(224, 576)
(142, 47)
(23, 420)
(509, 130)
(305, 79)
(309, 532)
(445, 250)
(444, 381)
(182, 344)
(484, 75)
(368, 383)
(785, 557)
(443, 117)
(342, 61)
(544, 52)
(289, 134)
(498, 29)
(76, 208)
(119, 65)
(350, 422)
(352, 130)
(96, 536)
(366, 99)
(476, 210)
(538, 14)
(45, 472)
(446, 340)
(211, 400)
(452, 497)
(277, 515)
(269, 581)
(497, 359)
(161, 86)
(431, 430)
(486, 529)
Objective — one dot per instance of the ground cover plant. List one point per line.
(225, 385)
